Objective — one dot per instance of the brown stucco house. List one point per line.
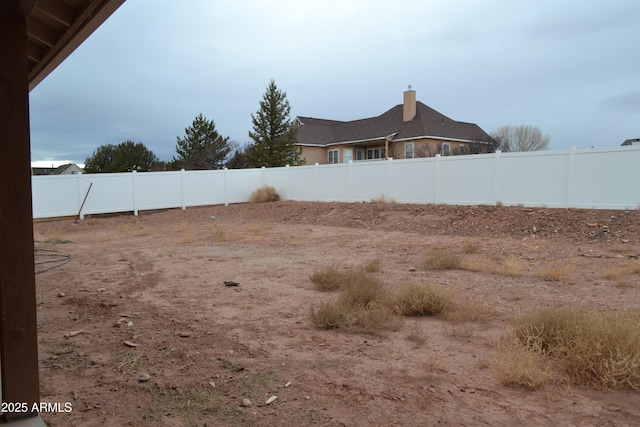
(408, 130)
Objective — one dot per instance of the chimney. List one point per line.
(409, 108)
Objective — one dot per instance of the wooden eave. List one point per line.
(55, 28)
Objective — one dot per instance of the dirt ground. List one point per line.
(137, 297)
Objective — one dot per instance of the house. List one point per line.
(68, 169)
(634, 141)
(408, 130)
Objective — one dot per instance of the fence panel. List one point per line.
(301, 183)
(607, 179)
(113, 192)
(533, 179)
(467, 180)
(57, 196)
(158, 190)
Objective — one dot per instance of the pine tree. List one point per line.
(202, 147)
(273, 135)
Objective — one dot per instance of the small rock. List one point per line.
(184, 334)
(212, 217)
(144, 377)
(130, 344)
(287, 384)
(271, 400)
(212, 383)
(412, 269)
(74, 333)
(246, 402)
(61, 294)
(231, 283)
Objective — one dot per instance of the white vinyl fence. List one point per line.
(607, 178)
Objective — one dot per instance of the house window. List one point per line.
(446, 149)
(333, 156)
(347, 155)
(408, 150)
(359, 154)
(375, 153)
(462, 149)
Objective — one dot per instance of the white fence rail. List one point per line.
(590, 178)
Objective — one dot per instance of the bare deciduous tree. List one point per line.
(520, 138)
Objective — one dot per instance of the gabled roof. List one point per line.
(427, 123)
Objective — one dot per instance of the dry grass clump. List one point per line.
(373, 266)
(591, 348)
(264, 194)
(422, 299)
(470, 247)
(331, 279)
(557, 272)
(621, 274)
(477, 263)
(441, 259)
(510, 266)
(518, 365)
(383, 199)
(361, 307)
(329, 315)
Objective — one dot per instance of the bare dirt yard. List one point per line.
(137, 327)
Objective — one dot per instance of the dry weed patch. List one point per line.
(330, 279)
(373, 266)
(441, 259)
(622, 273)
(591, 348)
(557, 272)
(264, 194)
(470, 247)
(383, 199)
(518, 365)
(422, 299)
(511, 266)
(477, 263)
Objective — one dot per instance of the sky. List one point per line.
(571, 68)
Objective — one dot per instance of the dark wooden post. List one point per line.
(18, 333)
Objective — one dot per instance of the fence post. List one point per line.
(134, 177)
(349, 189)
(496, 177)
(315, 198)
(81, 216)
(437, 179)
(388, 191)
(182, 189)
(570, 172)
(226, 198)
(286, 178)
(264, 176)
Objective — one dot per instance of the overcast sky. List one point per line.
(570, 67)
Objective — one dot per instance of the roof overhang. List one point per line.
(55, 28)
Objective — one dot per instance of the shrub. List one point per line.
(264, 194)
(557, 272)
(329, 315)
(361, 290)
(470, 247)
(372, 266)
(422, 299)
(592, 348)
(330, 279)
(441, 259)
(382, 199)
(511, 266)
